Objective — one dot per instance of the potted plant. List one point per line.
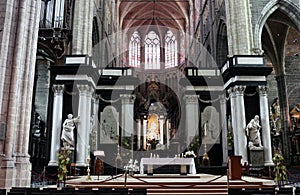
(63, 162)
(279, 169)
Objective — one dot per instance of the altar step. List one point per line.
(174, 184)
(189, 191)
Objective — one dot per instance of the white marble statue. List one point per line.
(67, 135)
(253, 132)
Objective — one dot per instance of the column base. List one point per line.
(7, 172)
(23, 170)
(52, 164)
(269, 163)
(81, 164)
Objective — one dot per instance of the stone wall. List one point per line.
(292, 64)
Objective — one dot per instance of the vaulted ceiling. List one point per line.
(167, 13)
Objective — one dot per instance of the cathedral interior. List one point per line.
(147, 78)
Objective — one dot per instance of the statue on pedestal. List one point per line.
(253, 133)
(67, 135)
(275, 117)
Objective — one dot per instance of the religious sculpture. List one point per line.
(275, 117)
(295, 116)
(253, 132)
(67, 135)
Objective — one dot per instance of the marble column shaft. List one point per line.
(56, 123)
(238, 121)
(81, 145)
(96, 121)
(264, 118)
(127, 114)
(139, 129)
(145, 134)
(192, 117)
(224, 128)
(161, 131)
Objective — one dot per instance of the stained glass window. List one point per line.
(171, 57)
(152, 51)
(135, 50)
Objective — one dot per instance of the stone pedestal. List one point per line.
(257, 157)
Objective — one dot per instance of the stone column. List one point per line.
(127, 114)
(145, 134)
(82, 27)
(192, 117)
(56, 123)
(241, 122)
(81, 145)
(264, 117)
(238, 121)
(168, 127)
(96, 122)
(161, 130)
(232, 96)
(239, 27)
(224, 128)
(89, 119)
(138, 134)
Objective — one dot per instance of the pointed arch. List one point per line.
(287, 7)
(222, 44)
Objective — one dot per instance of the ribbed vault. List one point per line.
(168, 13)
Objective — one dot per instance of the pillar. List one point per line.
(127, 114)
(238, 121)
(145, 133)
(96, 122)
(139, 129)
(264, 117)
(239, 27)
(168, 131)
(192, 117)
(56, 123)
(161, 130)
(224, 128)
(81, 145)
(82, 27)
(89, 119)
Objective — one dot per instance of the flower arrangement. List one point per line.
(229, 138)
(279, 169)
(63, 162)
(132, 166)
(190, 154)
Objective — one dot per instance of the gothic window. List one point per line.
(55, 13)
(95, 32)
(135, 50)
(59, 13)
(171, 57)
(152, 51)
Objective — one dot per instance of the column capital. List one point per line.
(262, 89)
(58, 89)
(239, 89)
(236, 90)
(96, 96)
(127, 98)
(222, 99)
(191, 98)
(84, 88)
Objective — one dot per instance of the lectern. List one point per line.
(235, 167)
